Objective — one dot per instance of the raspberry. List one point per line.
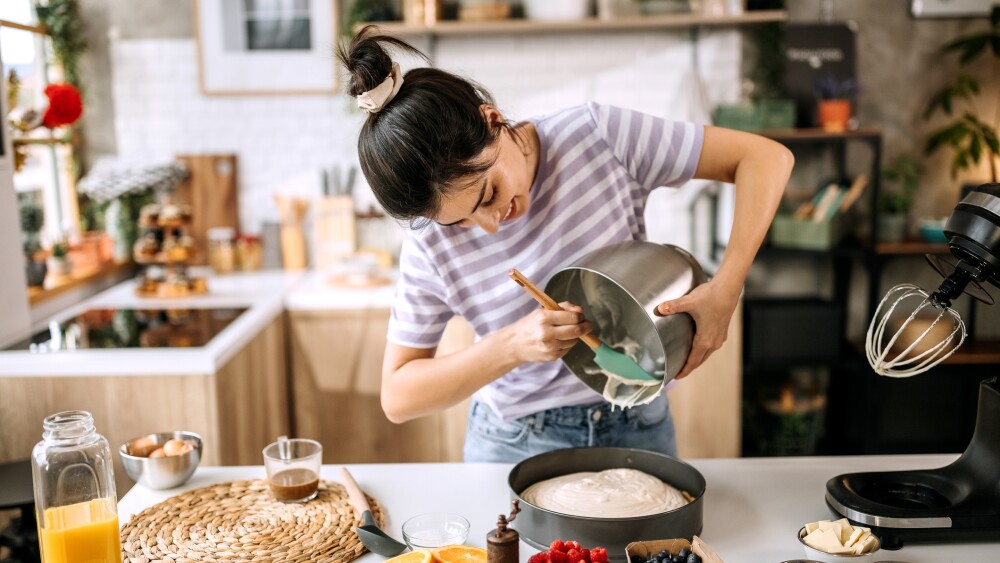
(574, 556)
(598, 555)
(586, 555)
(572, 545)
(558, 557)
(557, 545)
(540, 557)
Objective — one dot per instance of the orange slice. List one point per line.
(459, 554)
(417, 556)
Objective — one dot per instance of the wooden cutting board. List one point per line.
(212, 191)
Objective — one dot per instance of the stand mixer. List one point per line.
(911, 332)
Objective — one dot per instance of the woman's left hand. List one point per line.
(711, 307)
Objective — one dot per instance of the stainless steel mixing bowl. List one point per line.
(161, 472)
(539, 527)
(619, 287)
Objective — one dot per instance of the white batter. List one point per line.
(613, 493)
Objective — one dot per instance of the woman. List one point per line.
(485, 195)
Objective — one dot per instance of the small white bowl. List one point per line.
(435, 529)
(824, 557)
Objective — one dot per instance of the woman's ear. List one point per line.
(491, 114)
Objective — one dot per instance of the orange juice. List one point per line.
(86, 532)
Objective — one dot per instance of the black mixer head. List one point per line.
(973, 232)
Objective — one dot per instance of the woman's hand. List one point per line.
(545, 336)
(711, 307)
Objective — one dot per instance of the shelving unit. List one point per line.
(523, 26)
(863, 411)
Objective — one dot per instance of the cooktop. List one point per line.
(132, 328)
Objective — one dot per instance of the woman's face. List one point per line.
(502, 193)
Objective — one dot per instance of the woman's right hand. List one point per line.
(545, 336)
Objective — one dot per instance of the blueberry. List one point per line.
(678, 559)
(693, 558)
(636, 559)
(662, 554)
(684, 552)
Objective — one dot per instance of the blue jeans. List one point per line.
(489, 439)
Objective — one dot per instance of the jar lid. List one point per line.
(221, 233)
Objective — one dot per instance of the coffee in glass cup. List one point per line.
(293, 469)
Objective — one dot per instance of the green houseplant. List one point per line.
(32, 219)
(902, 176)
(971, 135)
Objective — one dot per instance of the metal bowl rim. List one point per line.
(697, 499)
(123, 449)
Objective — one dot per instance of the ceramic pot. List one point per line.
(834, 115)
(891, 227)
(34, 271)
(556, 10)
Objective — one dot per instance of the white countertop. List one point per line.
(753, 506)
(265, 294)
(317, 292)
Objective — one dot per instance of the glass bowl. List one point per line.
(435, 529)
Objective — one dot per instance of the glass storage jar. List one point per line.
(75, 502)
(221, 249)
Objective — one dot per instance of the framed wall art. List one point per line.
(266, 47)
(950, 8)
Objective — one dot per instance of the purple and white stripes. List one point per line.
(597, 166)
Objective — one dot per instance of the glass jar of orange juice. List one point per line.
(75, 499)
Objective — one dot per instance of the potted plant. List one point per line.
(58, 262)
(903, 174)
(970, 135)
(834, 107)
(32, 218)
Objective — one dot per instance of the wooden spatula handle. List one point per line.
(549, 303)
(358, 500)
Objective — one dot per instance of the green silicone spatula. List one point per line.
(604, 356)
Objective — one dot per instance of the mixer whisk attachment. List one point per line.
(911, 332)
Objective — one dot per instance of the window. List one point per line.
(43, 158)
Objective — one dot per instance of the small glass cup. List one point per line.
(293, 475)
(435, 529)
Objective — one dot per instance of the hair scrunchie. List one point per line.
(376, 98)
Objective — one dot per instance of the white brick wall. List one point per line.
(283, 141)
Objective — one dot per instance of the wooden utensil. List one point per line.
(370, 534)
(607, 358)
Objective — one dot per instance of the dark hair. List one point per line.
(424, 139)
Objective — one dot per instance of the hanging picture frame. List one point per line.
(266, 47)
(950, 8)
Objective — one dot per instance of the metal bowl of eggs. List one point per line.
(595, 515)
(163, 460)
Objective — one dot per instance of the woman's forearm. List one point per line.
(423, 386)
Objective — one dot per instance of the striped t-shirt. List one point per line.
(597, 165)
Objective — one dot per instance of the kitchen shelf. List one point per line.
(972, 352)
(817, 135)
(58, 285)
(911, 247)
(42, 141)
(523, 26)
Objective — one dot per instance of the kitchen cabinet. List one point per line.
(237, 410)
(336, 363)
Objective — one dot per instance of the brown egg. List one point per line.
(174, 447)
(142, 446)
(158, 452)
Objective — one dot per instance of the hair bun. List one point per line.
(367, 59)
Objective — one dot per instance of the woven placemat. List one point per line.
(241, 521)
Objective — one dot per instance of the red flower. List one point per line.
(65, 105)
